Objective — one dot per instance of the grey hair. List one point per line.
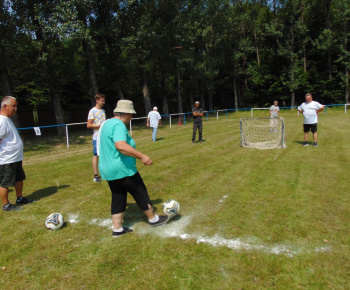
(275, 101)
(7, 100)
(119, 114)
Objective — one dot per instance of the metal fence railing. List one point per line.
(181, 120)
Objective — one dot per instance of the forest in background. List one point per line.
(227, 54)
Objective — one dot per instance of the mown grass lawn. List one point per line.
(249, 218)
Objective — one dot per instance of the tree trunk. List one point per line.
(346, 40)
(93, 89)
(58, 112)
(163, 90)
(292, 80)
(304, 44)
(5, 83)
(329, 53)
(210, 95)
(191, 100)
(235, 87)
(201, 95)
(256, 39)
(178, 89)
(145, 92)
(119, 88)
(4, 77)
(47, 71)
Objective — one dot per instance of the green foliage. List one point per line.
(31, 95)
(265, 49)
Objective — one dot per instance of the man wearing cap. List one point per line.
(153, 120)
(11, 156)
(197, 122)
(117, 165)
(95, 119)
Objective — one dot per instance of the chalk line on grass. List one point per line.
(176, 229)
(73, 218)
(102, 223)
(223, 198)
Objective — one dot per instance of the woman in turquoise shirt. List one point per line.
(117, 164)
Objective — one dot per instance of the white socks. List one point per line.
(155, 219)
(118, 230)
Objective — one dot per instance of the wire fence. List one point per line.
(179, 119)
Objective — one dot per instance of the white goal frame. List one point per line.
(263, 133)
(252, 109)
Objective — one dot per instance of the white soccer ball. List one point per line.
(54, 221)
(171, 207)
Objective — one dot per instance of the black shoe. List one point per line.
(97, 179)
(162, 220)
(125, 231)
(315, 144)
(23, 200)
(11, 207)
(305, 144)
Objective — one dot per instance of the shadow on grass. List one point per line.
(203, 140)
(301, 142)
(161, 138)
(134, 215)
(45, 192)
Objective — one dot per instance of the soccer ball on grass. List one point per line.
(54, 221)
(171, 207)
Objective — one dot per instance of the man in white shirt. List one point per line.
(274, 113)
(95, 119)
(153, 120)
(310, 110)
(11, 156)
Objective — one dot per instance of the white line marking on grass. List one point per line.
(73, 218)
(176, 229)
(102, 223)
(222, 200)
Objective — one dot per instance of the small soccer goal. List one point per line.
(263, 133)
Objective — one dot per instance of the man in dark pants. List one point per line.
(197, 122)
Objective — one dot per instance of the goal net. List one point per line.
(263, 133)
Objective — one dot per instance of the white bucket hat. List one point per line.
(125, 106)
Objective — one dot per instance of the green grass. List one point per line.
(294, 199)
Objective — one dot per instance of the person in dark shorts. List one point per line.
(11, 156)
(117, 165)
(310, 110)
(197, 122)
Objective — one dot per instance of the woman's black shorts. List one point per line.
(135, 186)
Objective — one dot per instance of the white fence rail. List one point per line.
(181, 115)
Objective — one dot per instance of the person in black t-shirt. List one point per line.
(197, 122)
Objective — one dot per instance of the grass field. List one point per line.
(249, 218)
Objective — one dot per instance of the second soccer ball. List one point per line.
(171, 207)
